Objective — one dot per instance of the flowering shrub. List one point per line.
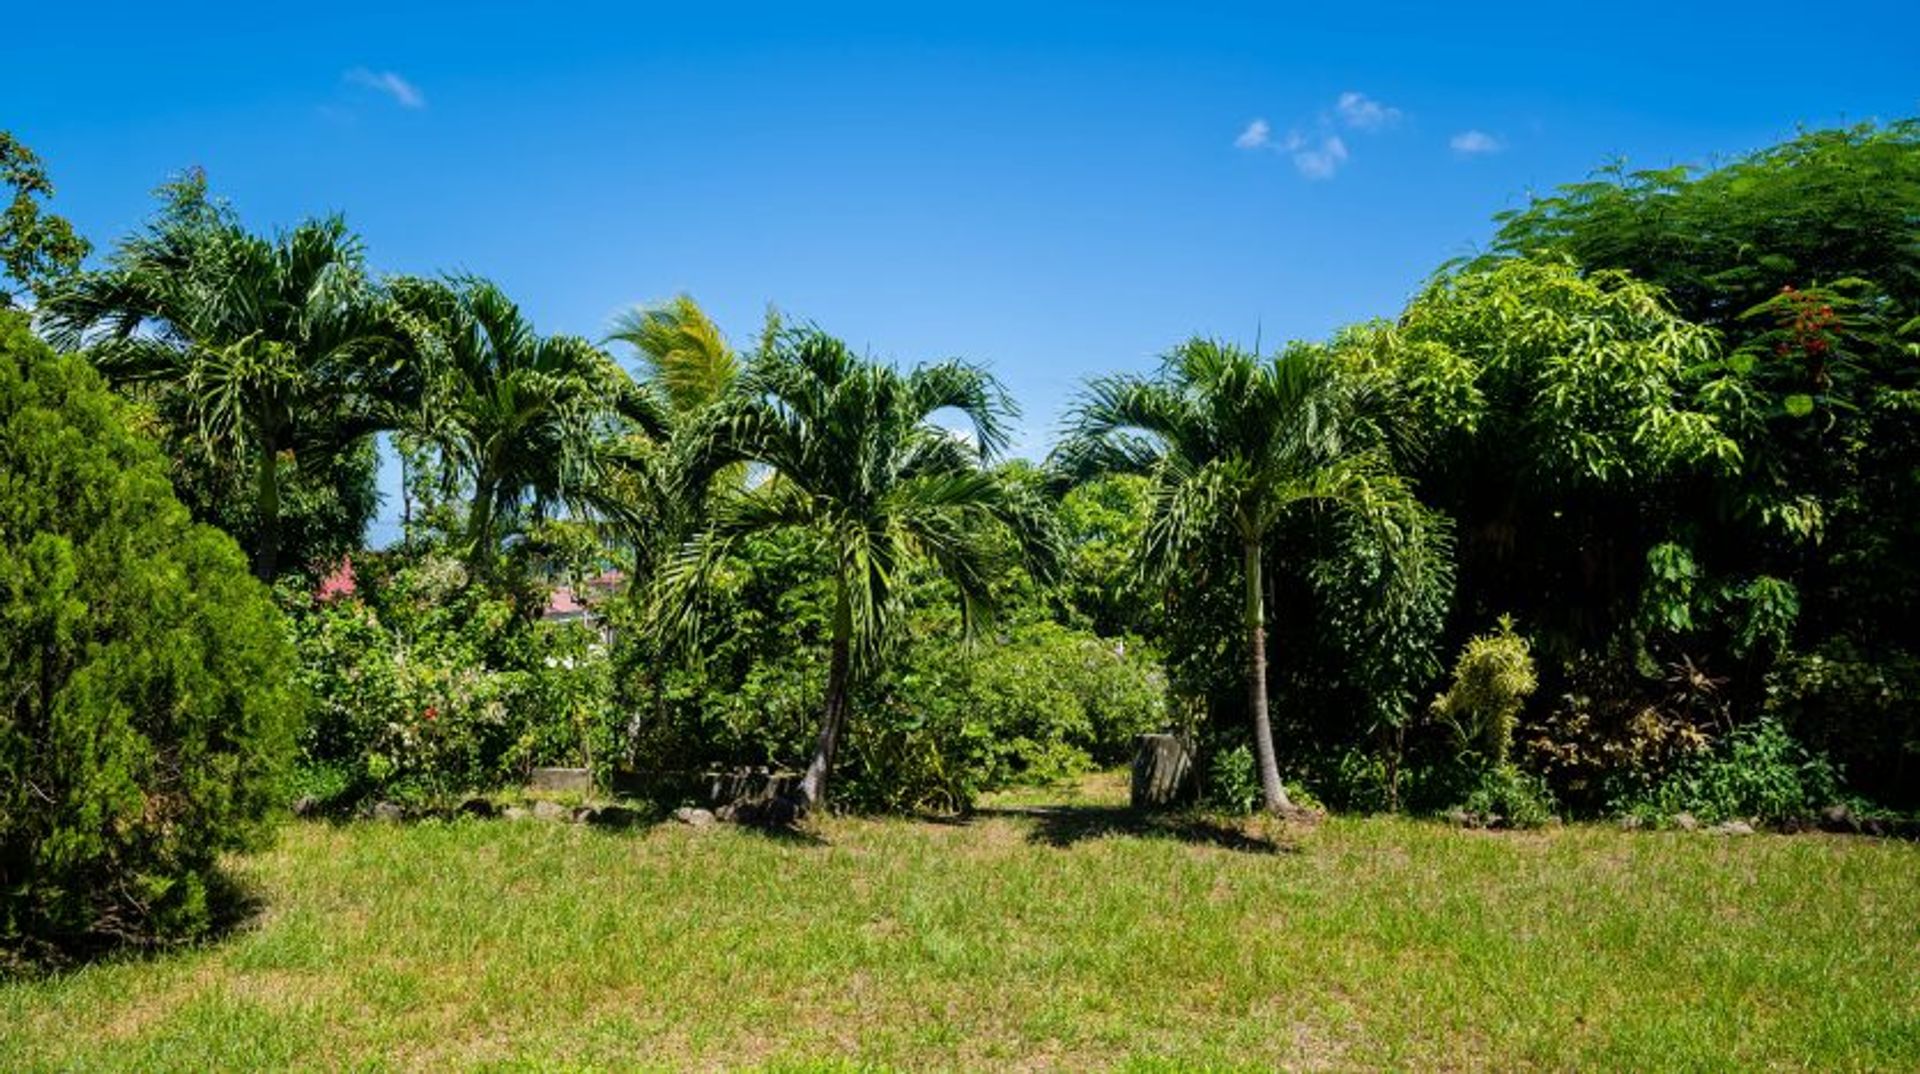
(427, 687)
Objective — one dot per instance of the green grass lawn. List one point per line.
(1075, 939)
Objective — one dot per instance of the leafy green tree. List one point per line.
(150, 711)
(855, 464)
(274, 348)
(37, 248)
(519, 419)
(1576, 440)
(1824, 206)
(1233, 444)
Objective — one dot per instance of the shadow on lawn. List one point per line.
(1063, 826)
(233, 905)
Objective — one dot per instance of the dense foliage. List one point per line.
(150, 705)
(1643, 477)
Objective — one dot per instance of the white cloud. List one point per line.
(1320, 152)
(403, 92)
(1361, 112)
(1474, 143)
(1258, 135)
(1317, 160)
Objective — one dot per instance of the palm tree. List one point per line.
(848, 453)
(517, 417)
(681, 351)
(282, 346)
(687, 366)
(1233, 442)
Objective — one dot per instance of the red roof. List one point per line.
(563, 602)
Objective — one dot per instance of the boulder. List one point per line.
(514, 812)
(1838, 818)
(306, 806)
(545, 810)
(697, 818)
(1732, 827)
(388, 811)
(1686, 822)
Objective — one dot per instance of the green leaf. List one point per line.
(1798, 404)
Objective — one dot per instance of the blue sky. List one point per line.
(1055, 190)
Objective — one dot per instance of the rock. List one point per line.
(1162, 767)
(514, 812)
(698, 818)
(1631, 823)
(306, 806)
(1460, 818)
(614, 816)
(1732, 827)
(561, 780)
(582, 815)
(1686, 822)
(545, 810)
(388, 811)
(1838, 818)
(478, 807)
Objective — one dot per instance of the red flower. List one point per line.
(433, 712)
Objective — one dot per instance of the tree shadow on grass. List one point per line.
(1064, 826)
(233, 906)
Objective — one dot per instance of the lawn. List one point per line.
(1071, 938)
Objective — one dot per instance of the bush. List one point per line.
(151, 711)
(1506, 796)
(1233, 783)
(428, 687)
(1759, 772)
(1491, 681)
(1043, 703)
(1860, 707)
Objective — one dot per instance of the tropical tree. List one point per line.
(687, 366)
(37, 248)
(278, 346)
(1232, 443)
(518, 419)
(848, 454)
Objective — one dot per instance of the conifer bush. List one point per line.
(149, 713)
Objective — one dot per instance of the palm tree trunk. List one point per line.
(813, 786)
(266, 541)
(480, 523)
(1271, 791)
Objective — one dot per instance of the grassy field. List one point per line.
(1071, 939)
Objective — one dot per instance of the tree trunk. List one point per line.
(813, 786)
(480, 523)
(1274, 795)
(1162, 771)
(266, 543)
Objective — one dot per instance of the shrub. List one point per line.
(1862, 708)
(1759, 772)
(1043, 703)
(1233, 784)
(1507, 796)
(151, 711)
(1491, 681)
(427, 687)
